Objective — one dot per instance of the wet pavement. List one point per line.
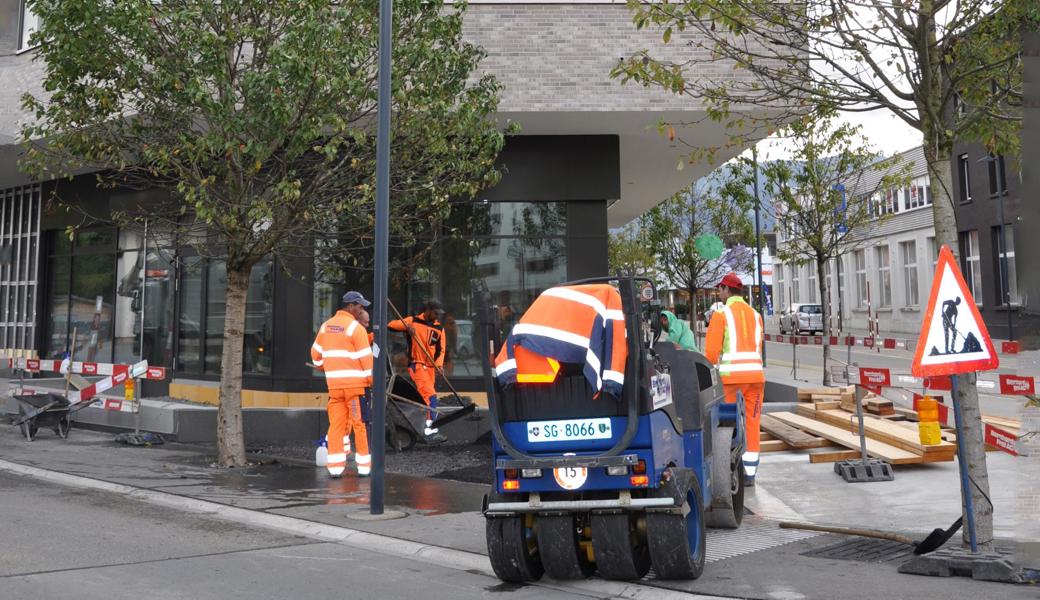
(757, 561)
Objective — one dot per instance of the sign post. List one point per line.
(954, 340)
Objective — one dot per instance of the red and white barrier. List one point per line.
(866, 342)
(115, 375)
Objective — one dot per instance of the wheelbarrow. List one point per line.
(45, 410)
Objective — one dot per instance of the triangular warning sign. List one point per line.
(953, 336)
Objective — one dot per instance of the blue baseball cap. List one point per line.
(355, 298)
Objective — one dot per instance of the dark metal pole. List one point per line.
(386, 10)
(758, 249)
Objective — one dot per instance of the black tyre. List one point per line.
(619, 544)
(676, 541)
(559, 543)
(513, 549)
(405, 437)
(727, 483)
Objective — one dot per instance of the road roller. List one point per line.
(588, 483)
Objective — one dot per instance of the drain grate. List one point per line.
(864, 550)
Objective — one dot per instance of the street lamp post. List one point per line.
(382, 233)
(758, 247)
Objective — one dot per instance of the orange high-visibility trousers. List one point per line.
(752, 393)
(345, 416)
(425, 379)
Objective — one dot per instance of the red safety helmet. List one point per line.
(731, 280)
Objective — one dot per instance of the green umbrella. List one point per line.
(709, 246)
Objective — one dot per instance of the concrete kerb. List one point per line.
(438, 555)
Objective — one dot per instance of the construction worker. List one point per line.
(426, 356)
(343, 352)
(678, 331)
(734, 343)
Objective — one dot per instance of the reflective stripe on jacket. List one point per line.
(429, 335)
(580, 324)
(342, 351)
(734, 342)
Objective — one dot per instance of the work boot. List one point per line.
(435, 438)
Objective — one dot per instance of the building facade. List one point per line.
(588, 158)
(885, 276)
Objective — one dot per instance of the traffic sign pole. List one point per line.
(962, 464)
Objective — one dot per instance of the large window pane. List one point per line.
(56, 341)
(216, 291)
(259, 320)
(149, 291)
(189, 345)
(509, 218)
(93, 283)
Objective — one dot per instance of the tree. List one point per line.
(258, 117)
(820, 223)
(672, 230)
(629, 251)
(951, 70)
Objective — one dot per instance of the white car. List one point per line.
(802, 318)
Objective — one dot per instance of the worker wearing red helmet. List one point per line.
(734, 344)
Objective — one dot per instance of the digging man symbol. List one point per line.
(949, 322)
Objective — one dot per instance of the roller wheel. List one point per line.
(513, 549)
(563, 554)
(63, 427)
(405, 439)
(677, 541)
(619, 543)
(727, 483)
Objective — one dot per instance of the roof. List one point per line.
(871, 177)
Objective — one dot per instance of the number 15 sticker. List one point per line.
(571, 478)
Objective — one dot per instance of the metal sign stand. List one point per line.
(866, 469)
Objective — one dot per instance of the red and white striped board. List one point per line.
(866, 342)
(37, 365)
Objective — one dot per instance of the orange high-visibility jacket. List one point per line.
(580, 324)
(734, 342)
(429, 335)
(343, 352)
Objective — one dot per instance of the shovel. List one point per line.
(933, 541)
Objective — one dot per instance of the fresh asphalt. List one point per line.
(67, 543)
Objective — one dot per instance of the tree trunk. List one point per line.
(940, 172)
(825, 309)
(231, 448)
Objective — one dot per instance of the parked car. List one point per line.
(807, 318)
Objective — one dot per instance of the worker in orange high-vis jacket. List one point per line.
(425, 355)
(343, 352)
(734, 343)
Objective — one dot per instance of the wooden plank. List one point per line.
(890, 433)
(775, 446)
(765, 436)
(827, 404)
(833, 455)
(791, 435)
(896, 456)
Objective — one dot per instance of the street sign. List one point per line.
(646, 294)
(953, 335)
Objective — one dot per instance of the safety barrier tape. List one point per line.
(867, 342)
(82, 368)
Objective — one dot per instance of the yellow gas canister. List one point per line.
(928, 424)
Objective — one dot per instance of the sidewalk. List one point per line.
(757, 561)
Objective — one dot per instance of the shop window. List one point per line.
(257, 338)
(189, 326)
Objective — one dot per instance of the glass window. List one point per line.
(933, 251)
(811, 276)
(970, 263)
(189, 333)
(58, 274)
(964, 178)
(29, 24)
(216, 293)
(144, 287)
(781, 299)
(860, 258)
(522, 219)
(795, 295)
(884, 280)
(997, 175)
(908, 252)
(93, 283)
(1012, 288)
(258, 351)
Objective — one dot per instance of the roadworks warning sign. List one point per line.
(953, 335)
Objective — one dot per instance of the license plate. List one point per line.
(567, 430)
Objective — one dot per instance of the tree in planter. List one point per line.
(818, 222)
(951, 70)
(674, 226)
(258, 117)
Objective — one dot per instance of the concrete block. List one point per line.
(958, 562)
